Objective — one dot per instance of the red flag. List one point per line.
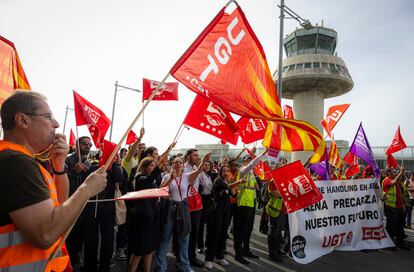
(72, 139)
(332, 117)
(147, 193)
(251, 129)
(107, 149)
(288, 112)
(168, 91)
(227, 64)
(12, 75)
(208, 117)
(131, 138)
(334, 157)
(397, 143)
(88, 114)
(296, 186)
(354, 167)
(223, 142)
(352, 170)
(391, 162)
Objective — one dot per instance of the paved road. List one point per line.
(375, 261)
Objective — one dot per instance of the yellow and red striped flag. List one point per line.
(334, 157)
(295, 135)
(227, 65)
(12, 75)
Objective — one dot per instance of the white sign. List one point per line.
(348, 218)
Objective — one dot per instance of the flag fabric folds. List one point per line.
(227, 64)
(12, 75)
(168, 91)
(107, 149)
(204, 115)
(147, 193)
(288, 112)
(391, 161)
(353, 163)
(88, 114)
(131, 138)
(72, 139)
(334, 157)
(296, 187)
(322, 168)
(332, 117)
(251, 129)
(360, 147)
(288, 138)
(397, 143)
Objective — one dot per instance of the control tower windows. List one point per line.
(299, 66)
(316, 65)
(308, 65)
(291, 67)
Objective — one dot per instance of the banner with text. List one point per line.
(348, 218)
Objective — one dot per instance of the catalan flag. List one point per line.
(295, 135)
(227, 65)
(12, 75)
(334, 157)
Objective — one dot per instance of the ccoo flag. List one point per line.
(227, 64)
(12, 75)
(360, 147)
(332, 117)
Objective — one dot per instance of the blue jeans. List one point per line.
(161, 262)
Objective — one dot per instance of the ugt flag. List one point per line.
(227, 64)
(251, 129)
(168, 91)
(88, 114)
(296, 186)
(12, 76)
(204, 115)
(397, 143)
(360, 147)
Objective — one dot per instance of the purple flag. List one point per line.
(322, 168)
(361, 148)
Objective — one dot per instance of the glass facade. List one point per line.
(317, 40)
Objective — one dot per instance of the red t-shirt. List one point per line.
(386, 186)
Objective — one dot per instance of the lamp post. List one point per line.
(113, 106)
(66, 116)
(303, 22)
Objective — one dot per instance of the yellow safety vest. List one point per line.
(390, 195)
(246, 191)
(274, 205)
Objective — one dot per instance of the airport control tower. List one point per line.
(312, 72)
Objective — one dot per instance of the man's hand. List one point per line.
(80, 167)
(94, 183)
(141, 133)
(58, 152)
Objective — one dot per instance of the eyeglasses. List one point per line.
(86, 144)
(47, 115)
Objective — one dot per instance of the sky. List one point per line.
(88, 45)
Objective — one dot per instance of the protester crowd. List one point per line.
(204, 198)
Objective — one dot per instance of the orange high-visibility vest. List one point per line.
(16, 254)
